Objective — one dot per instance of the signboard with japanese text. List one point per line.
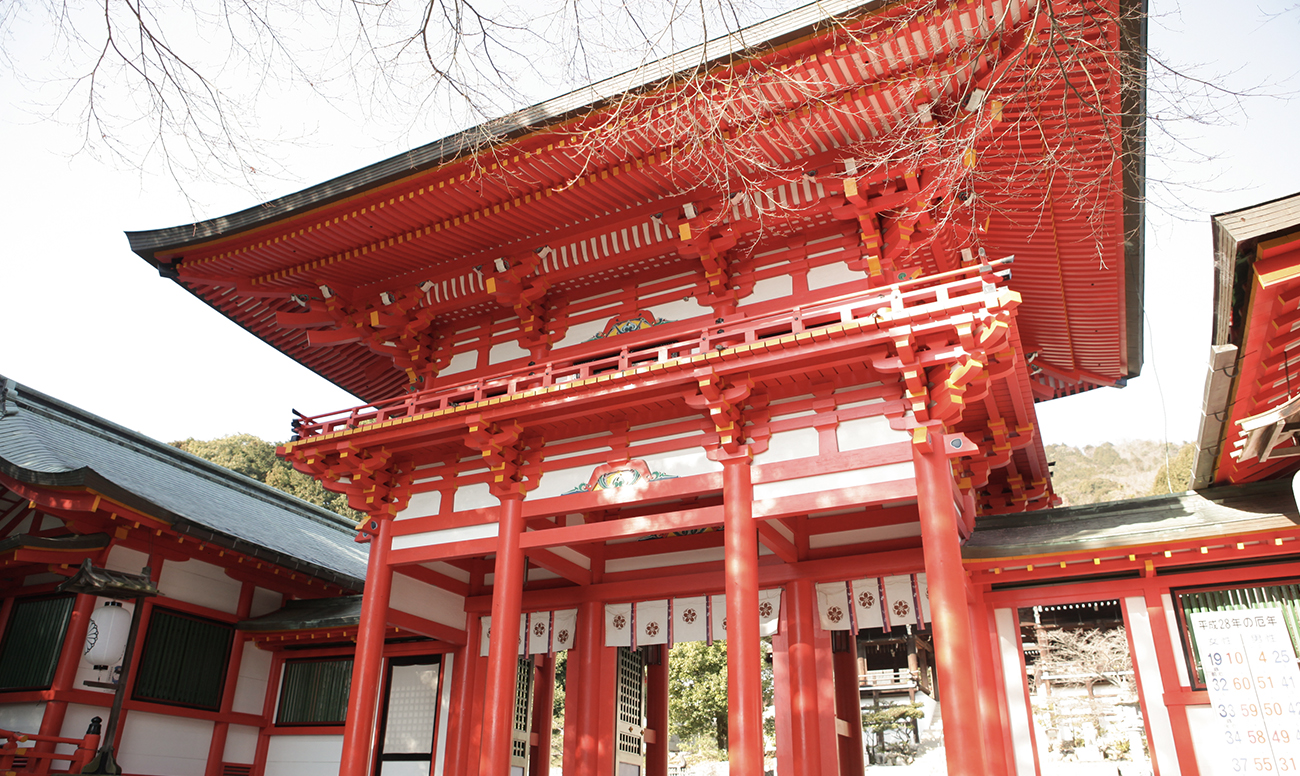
(1250, 671)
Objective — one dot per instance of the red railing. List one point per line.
(18, 755)
(911, 297)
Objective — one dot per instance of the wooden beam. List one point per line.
(425, 627)
(625, 528)
(563, 566)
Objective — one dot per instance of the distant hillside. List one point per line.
(1111, 472)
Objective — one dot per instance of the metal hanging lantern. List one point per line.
(106, 636)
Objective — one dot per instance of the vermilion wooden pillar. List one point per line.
(368, 664)
(543, 714)
(656, 712)
(802, 655)
(582, 694)
(744, 656)
(65, 674)
(963, 733)
(991, 715)
(503, 642)
(220, 730)
(848, 705)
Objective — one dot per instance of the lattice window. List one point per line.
(523, 708)
(631, 699)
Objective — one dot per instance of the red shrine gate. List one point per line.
(607, 372)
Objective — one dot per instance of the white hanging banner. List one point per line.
(689, 621)
(899, 598)
(923, 594)
(718, 606)
(769, 612)
(618, 625)
(484, 636)
(523, 634)
(833, 606)
(564, 629)
(866, 603)
(652, 622)
(539, 633)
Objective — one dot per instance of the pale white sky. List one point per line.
(84, 319)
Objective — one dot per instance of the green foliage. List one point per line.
(1111, 472)
(255, 458)
(892, 717)
(697, 690)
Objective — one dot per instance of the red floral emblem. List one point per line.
(539, 629)
(866, 600)
(688, 616)
(652, 629)
(834, 614)
(562, 637)
(901, 608)
(724, 623)
(765, 609)
(620, 622)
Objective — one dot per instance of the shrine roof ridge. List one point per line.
(791, 25)
(46, 442)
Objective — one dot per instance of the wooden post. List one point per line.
(543, 714)
(220, 730)
(744, 656)
(963, 734)
(656, 758)
(367, 667)
(74, 643)
(503, 642)
(804, 716)
(848, 704)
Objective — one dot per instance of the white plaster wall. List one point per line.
(680, 309)
(254, 672)
(241, 745)
(868, 432)
(196, 582)
(21, 717)
(833, 274)
(304, 755)
(264, 602)
(768, 289)
(581, 332)
(126, 560)
(789, 445)
(424, 600)
(159, 745)
(474, 496)
(75, 722)
(861, 535)
(444, 715)
(823, 482)
(1153, 692)
(461, 362)
(1013, 689)
(682, 463)
(422, 505)
(446, 536)
(506, 351)
(710, 555)
(560, 481)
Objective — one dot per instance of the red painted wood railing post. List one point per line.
(963, 730)
(543, 714)
(503, 643)
(744, 657)
(367, 666)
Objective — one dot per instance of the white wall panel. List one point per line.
(789, 445)
(560, 481)
(21, 717)
(664, 559)
(1153, 692)
(833, 275)
(868, 432)
(682, 463)
(264, 602)
(196, 582)
(474, 496)
(424, 600)
(304, 755)
(241, 745)
(75, 723)
(1207, 734)
(446, 536)
(768, 289)
(159, 745)
(461, 362)
(126, 560)
(681, 310)
(506, 351)
(254, 672)
(422, 505)
(823, 482)
(861, 535)
(1013, 691)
